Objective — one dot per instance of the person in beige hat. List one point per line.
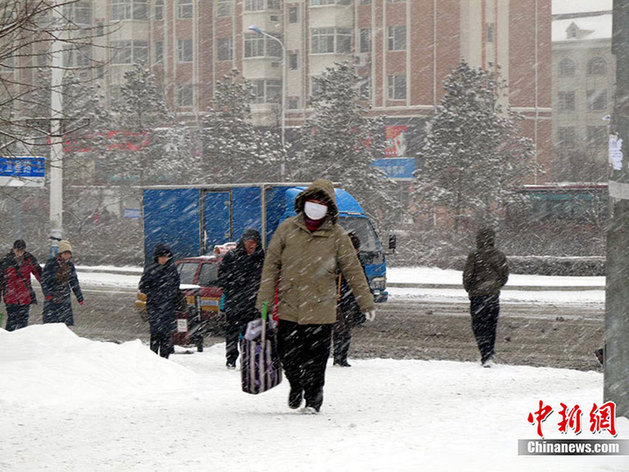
(59, 277)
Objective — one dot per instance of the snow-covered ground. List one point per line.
(424, 275)
(71, 404)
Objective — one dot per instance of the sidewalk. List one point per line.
(397, 277)
(431, 277)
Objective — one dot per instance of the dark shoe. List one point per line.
(315, 404)
(231, 365)
(342, 363)
(294, 399)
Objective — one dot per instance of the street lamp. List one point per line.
(255, 29)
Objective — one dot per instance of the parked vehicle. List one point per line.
(195, 219)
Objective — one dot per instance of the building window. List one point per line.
(77, 56)
(273, 4)
(396, 1)
(42, 58)
(254, 5)
(331, 2)
(365, 2)
(397, 38)
(159, 52)
(597, 137)
(316, 85)
(225, 49)
(185, 95)
(261, 46)
(130, 52)
(597, 100)
(331, 40)
(567, 137)
(491, 32)
(79, 13)
(225, 8)
(566, 101)
(365, 40)
(185, 9)
(397, 87)
(293, 14)
(129, 10)
(365, 88)
(184, 50)
(293, 103)
(293, 61)
(267, 91)
(159, 9)
(597, 66)
(567, 68)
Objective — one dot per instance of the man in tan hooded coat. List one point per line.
(303, 260)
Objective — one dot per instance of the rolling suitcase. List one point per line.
(260, 366)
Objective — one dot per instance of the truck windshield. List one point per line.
(369, 241)
(187, 271)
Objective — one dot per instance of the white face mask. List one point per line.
(315, 211)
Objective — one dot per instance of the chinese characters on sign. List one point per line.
(602, 418)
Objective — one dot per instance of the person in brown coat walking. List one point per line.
(486, 272)
(303, 260)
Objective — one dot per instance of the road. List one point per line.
(528, 334)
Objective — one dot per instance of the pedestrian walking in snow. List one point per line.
(15, 284)
(347, 312)
(486, 272)
(58, 278)
(160, 284)
(305, 255)
(239, 277)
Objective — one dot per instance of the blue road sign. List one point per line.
(23, 167)
(397, 168)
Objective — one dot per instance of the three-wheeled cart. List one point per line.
(192, 324)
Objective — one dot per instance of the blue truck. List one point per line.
(194, 219)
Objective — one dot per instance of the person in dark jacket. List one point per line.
(15, 284)
(239, 277)
(347, 313)
(58, 278)
(160, 284)
(486, 272)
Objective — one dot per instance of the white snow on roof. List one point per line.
(579, 6)
(593, 27)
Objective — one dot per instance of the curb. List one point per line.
(530, 288)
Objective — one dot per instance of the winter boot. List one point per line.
(314, 403)
(294, 398)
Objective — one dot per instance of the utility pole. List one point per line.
(56, 132)
(616, 383)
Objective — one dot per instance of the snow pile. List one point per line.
(120, 407)
(49, 364)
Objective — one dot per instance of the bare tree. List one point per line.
(28, 29)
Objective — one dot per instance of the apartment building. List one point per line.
(403, 49)
(584, 72)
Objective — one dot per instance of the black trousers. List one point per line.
(161, 344)
(233, 331)
(17, 316)
(341, 340)
(304, 352)
(485, 311)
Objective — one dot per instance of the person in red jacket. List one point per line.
(16, 269)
